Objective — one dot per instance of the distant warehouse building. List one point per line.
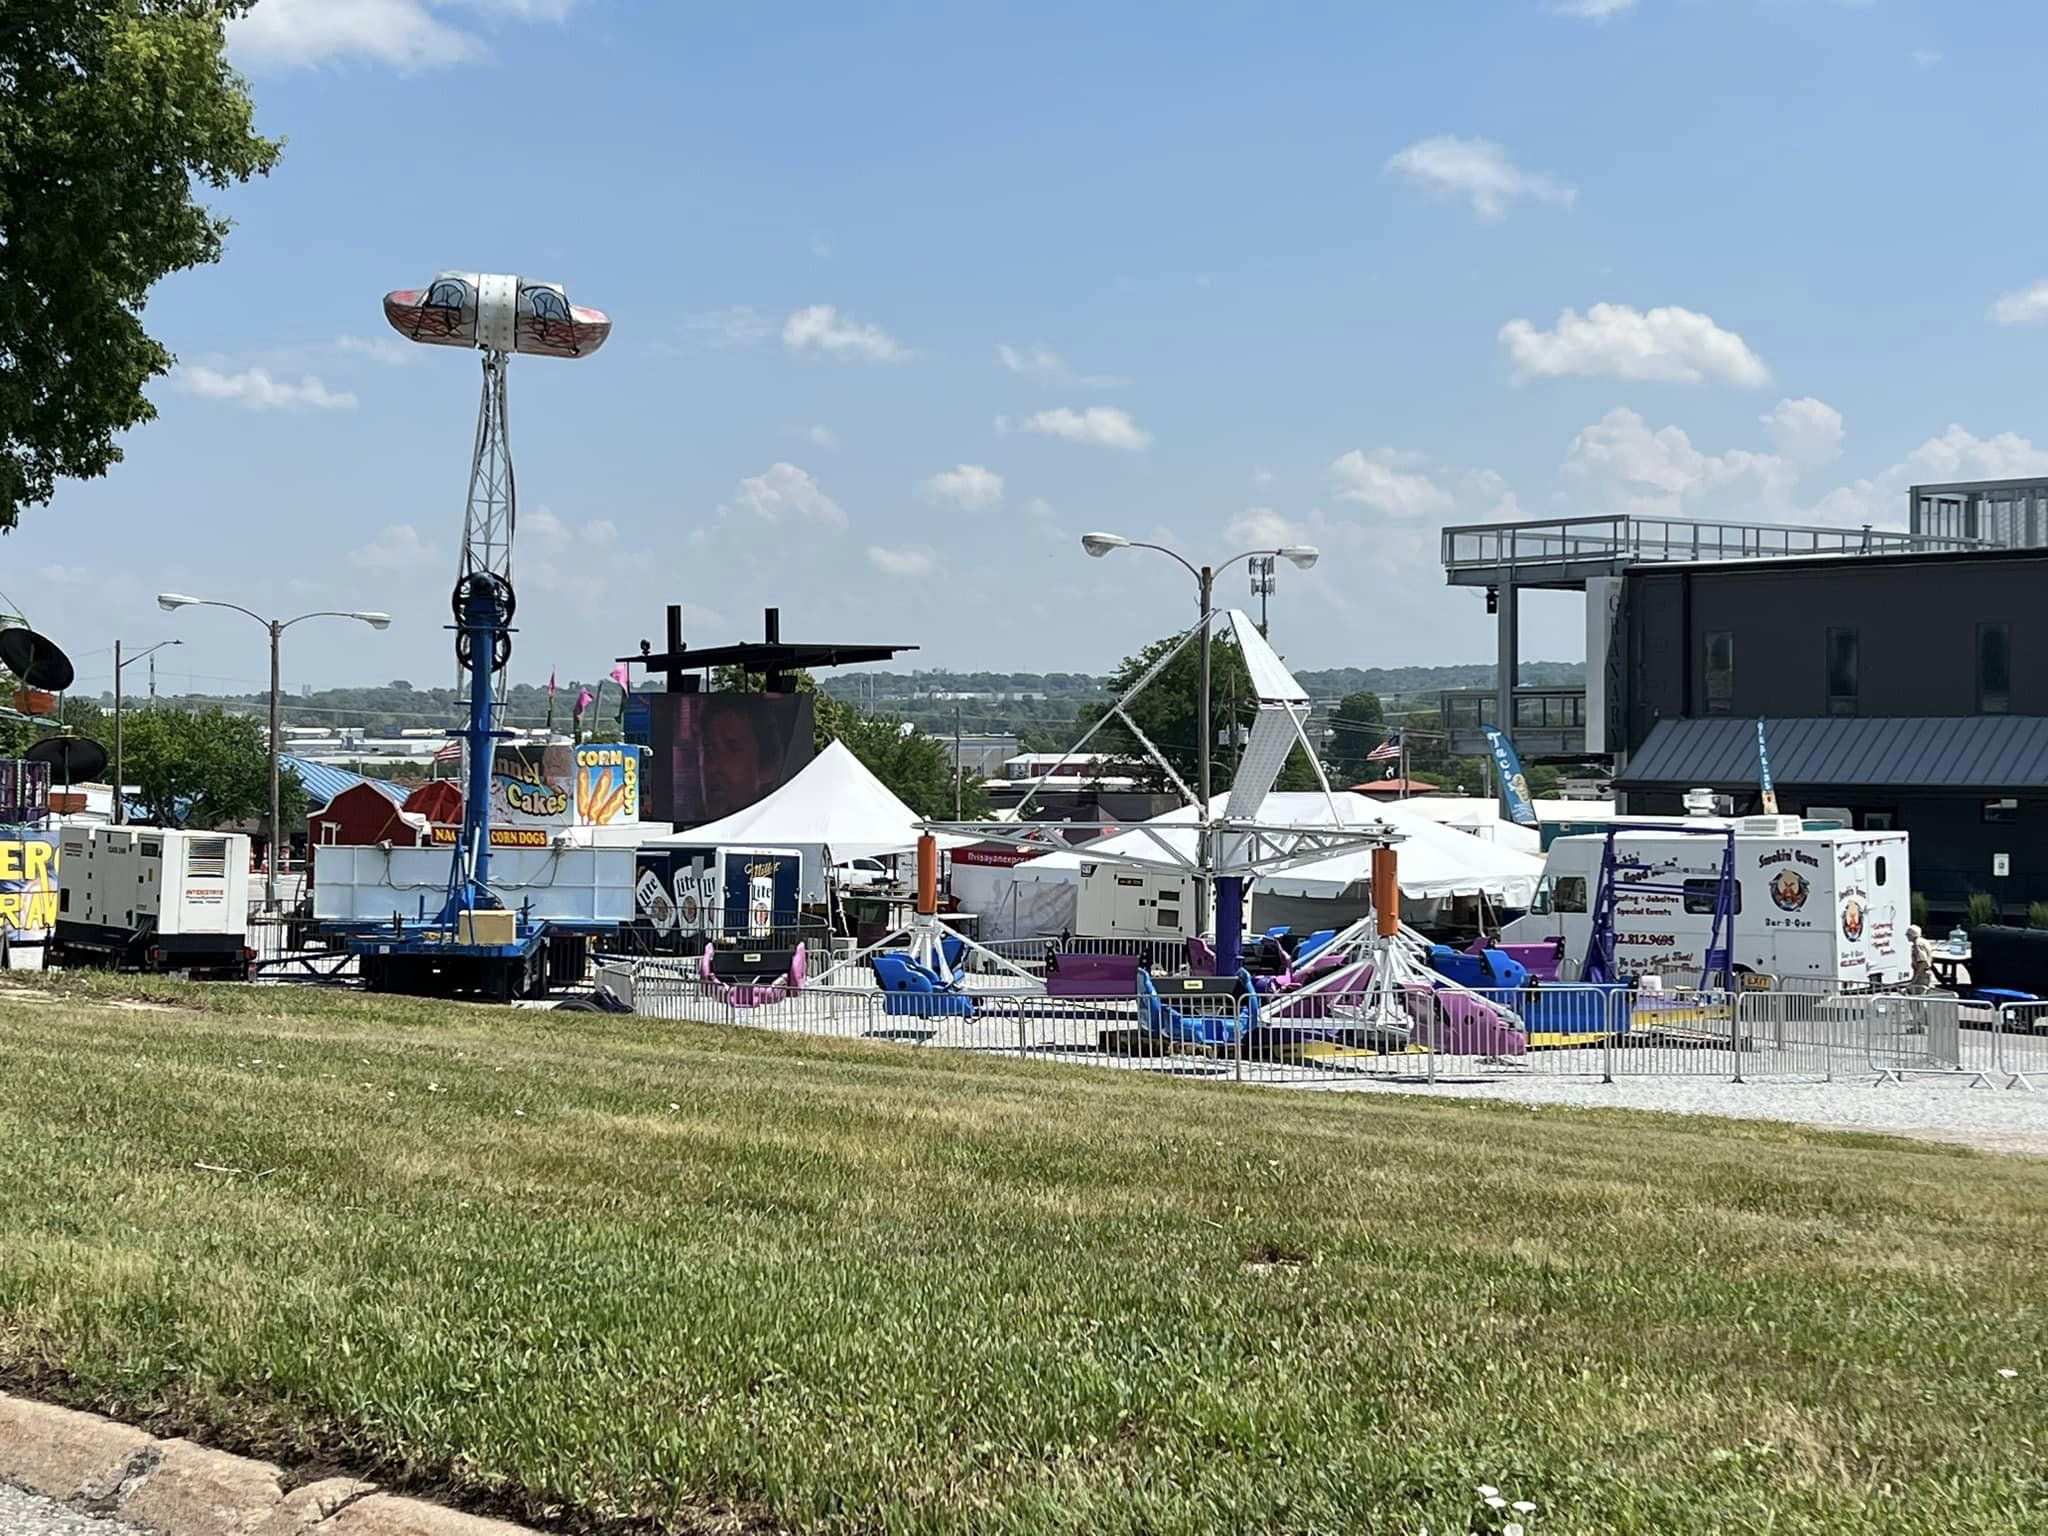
(1903, 691)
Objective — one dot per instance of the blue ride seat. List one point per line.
(914, 991)
(1493, 969)
(1312, 943)
(1161, 1019)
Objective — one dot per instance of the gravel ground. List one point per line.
(29, 1514)
(1932, 1109)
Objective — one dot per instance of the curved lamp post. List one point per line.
(170, 601)
(1302, 556)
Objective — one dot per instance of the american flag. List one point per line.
(1387, 751)
(452, 753)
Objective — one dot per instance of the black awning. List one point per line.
(1917, 752)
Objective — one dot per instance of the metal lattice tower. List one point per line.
(492, 516)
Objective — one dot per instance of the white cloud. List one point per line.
(408, 34)
(821, 328)
(1620, 464)
(970, 487)
(786, 493)
(1039, 362)
(255, 389)
(1591, 10)
(579, 562)
(2023, 306)
(821, 437)
(1380, 481)
(736, 325)
(1956, 454)
(1102, 424)
(396, 548)
(1038, 506)
(1263, 528)
(1048, 367)
(1615, 341)
(1806, 433)
(907, 561)
(388, 350)
(1478, 170)
(1926, 58)
(821, 248)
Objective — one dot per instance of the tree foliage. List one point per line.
(1168, 710)
(916, 767)
(1358, 724)
(111, 113)
(203, 768)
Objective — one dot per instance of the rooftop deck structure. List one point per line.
(1569, 553)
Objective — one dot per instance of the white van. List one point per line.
(1825, 905)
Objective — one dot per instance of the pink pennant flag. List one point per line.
(623, 678)
(582, 701)
(551, 683)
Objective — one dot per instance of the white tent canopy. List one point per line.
(1434, 860)
(834, 801)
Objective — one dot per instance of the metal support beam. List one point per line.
(1509, 663)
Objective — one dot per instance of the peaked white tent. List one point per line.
(834, 802)
(1434, 860)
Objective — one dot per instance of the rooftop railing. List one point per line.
(1628, 539)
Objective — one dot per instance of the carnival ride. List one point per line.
(473, 943)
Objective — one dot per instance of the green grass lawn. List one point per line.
(604, 1271)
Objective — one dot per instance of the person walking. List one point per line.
(1923, 960)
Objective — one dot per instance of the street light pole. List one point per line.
(271, 859)
(276, 628)
(1206, 580)
(1301, 555)
(120, 799)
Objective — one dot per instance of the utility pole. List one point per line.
(959, 767)
(1261, 569)
(1205, 727)
(120, 811)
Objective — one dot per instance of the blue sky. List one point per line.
(909, 296)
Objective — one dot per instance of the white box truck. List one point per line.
(153, 899)
(1829, 906)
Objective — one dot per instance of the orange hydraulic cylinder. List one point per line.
(1386, 893)
(927, 875)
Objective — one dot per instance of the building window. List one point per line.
(1720, 671)
(1842, 668)
(1994, 669)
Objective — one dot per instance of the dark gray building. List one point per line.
(1903, 691)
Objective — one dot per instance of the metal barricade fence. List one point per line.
(2021, 1045)
(1419, 1033)
(1799, 1033)
(1911, 1035)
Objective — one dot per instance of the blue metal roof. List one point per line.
(324, 781)
(1914, 752)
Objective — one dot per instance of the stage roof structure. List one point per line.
(772, 657)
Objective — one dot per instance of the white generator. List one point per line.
(153, 899)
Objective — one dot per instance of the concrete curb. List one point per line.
(182, 1489)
